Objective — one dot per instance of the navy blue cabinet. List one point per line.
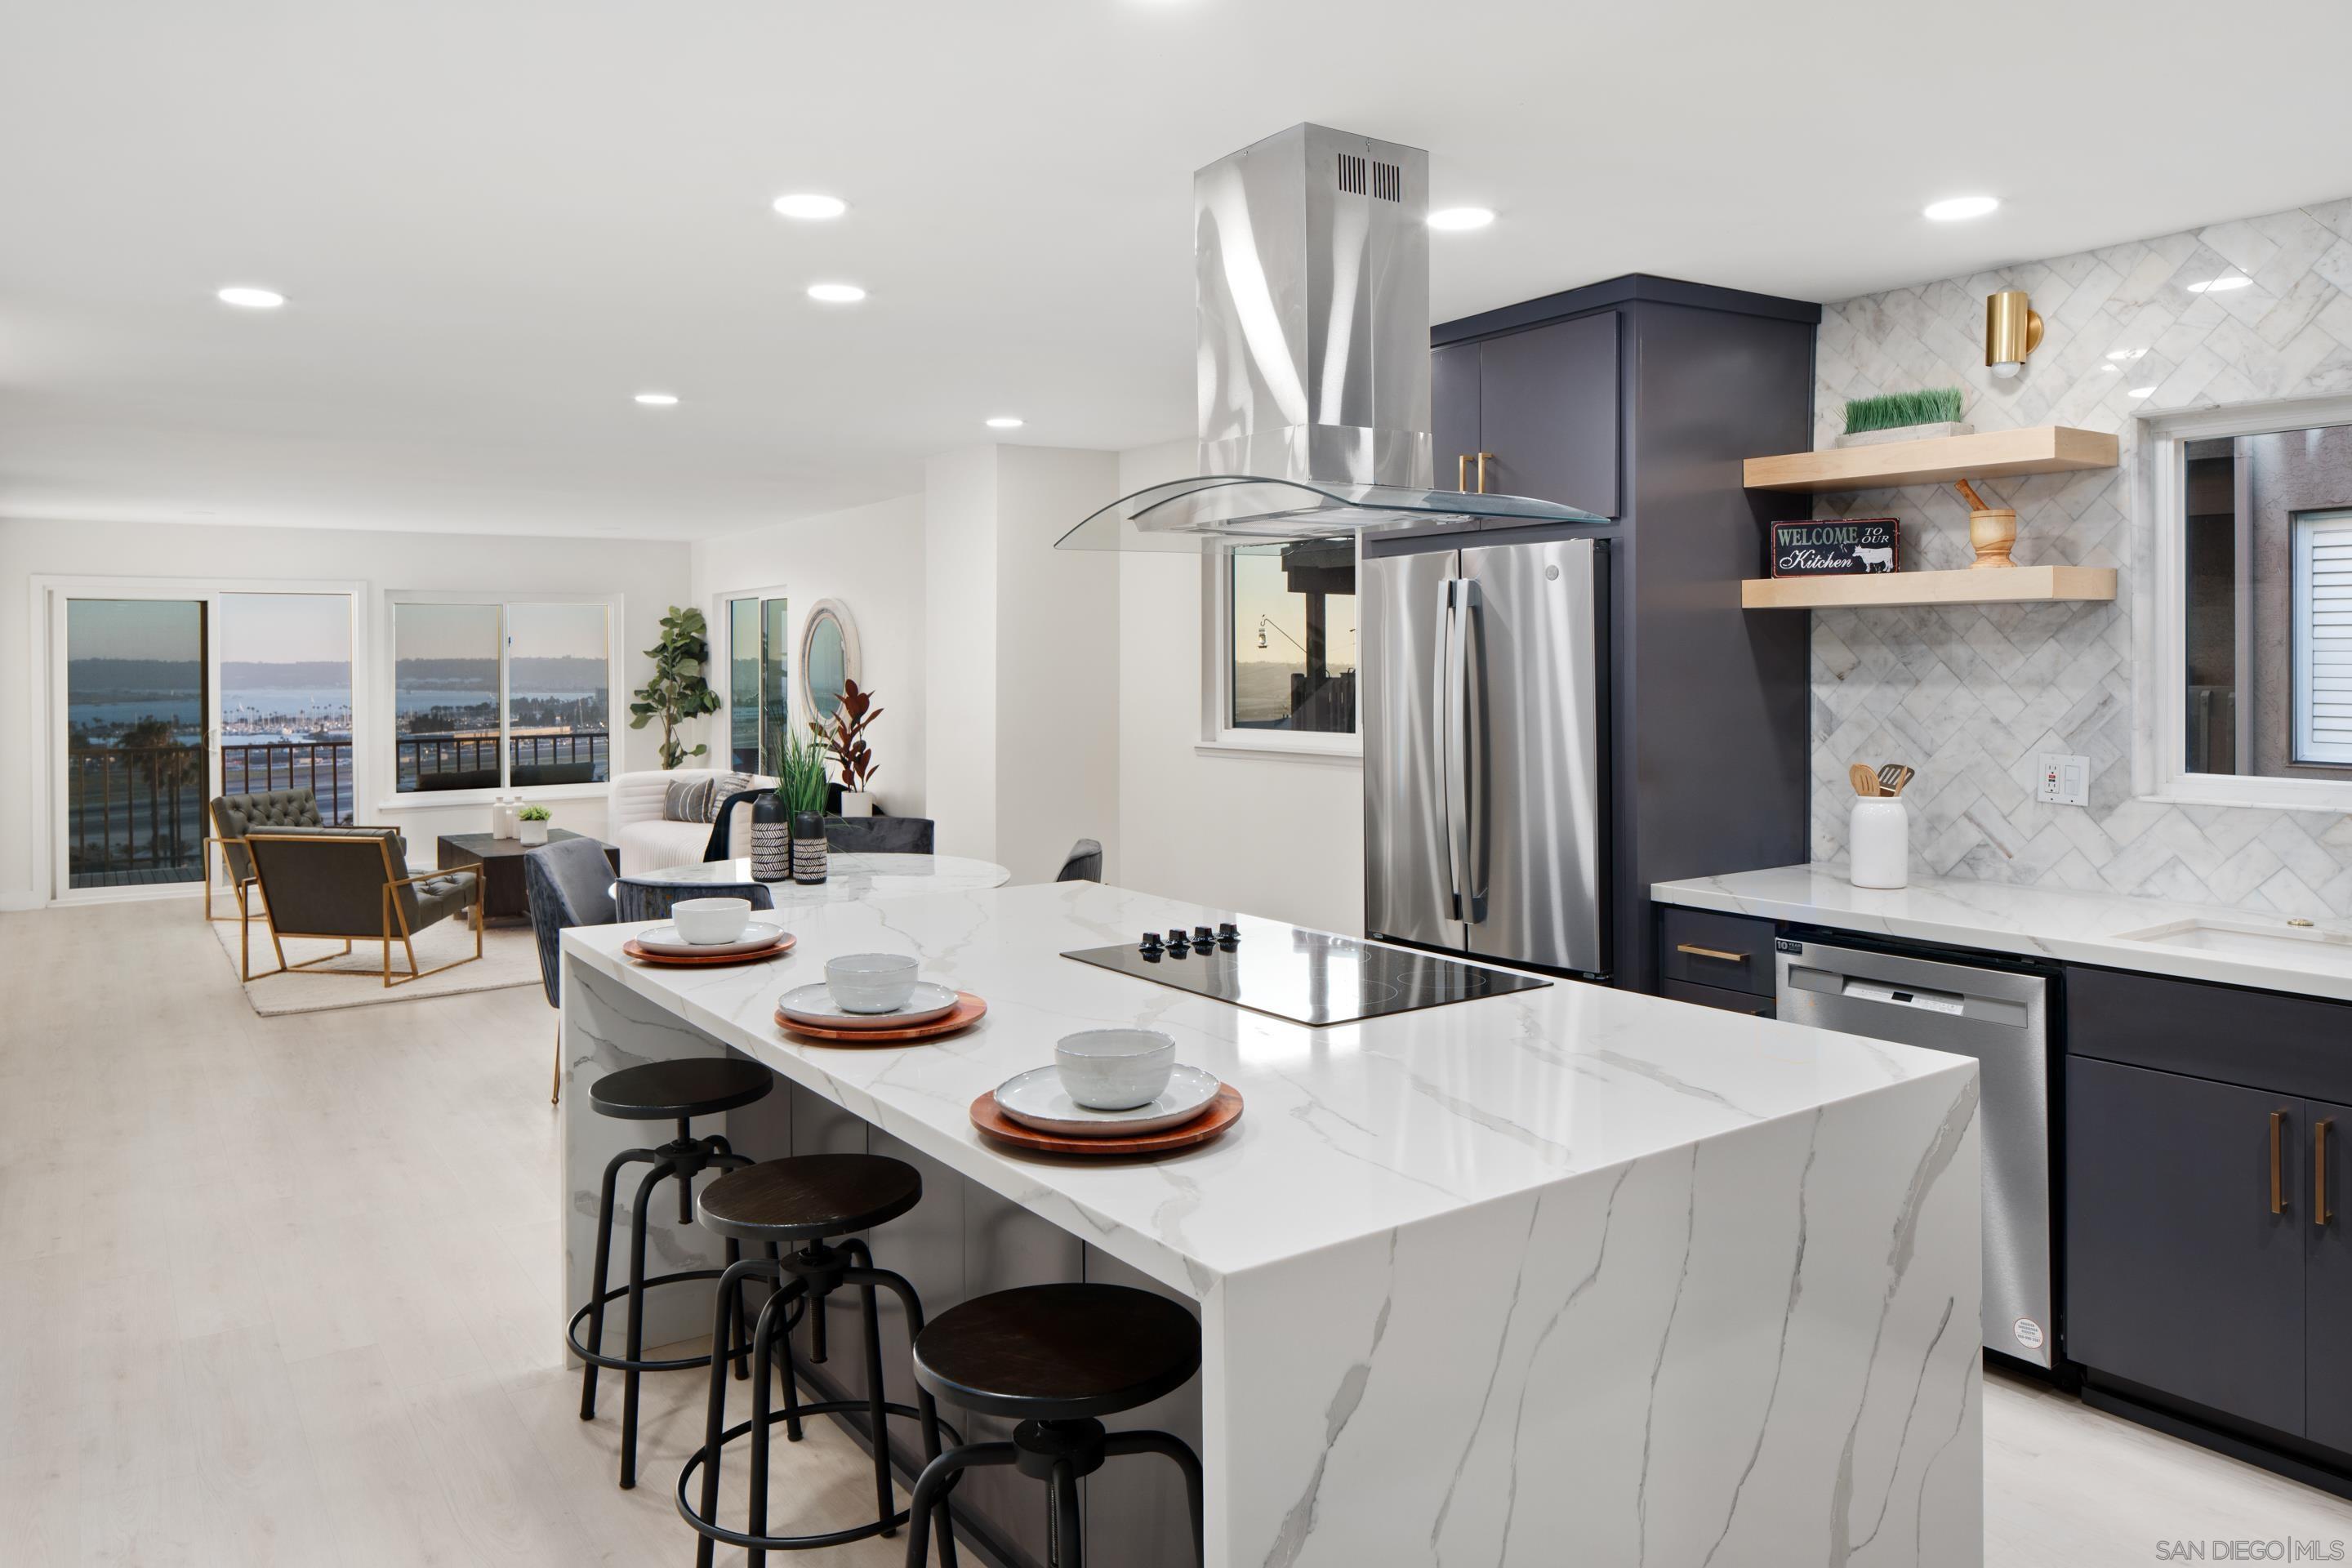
(1540, 405)
(2327, 1279)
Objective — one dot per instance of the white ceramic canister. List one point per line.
(502, 818)
(1878, 842)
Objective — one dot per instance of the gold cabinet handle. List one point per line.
(1481, 471)
(1462, 472)
(2278, 1172)
(2319, 1210)
(1710, 953)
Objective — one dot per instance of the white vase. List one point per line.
(533, 829)
(1878, 842)
(502, 818)
(856, 803)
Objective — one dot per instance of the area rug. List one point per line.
(510, 957)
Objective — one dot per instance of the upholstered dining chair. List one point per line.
(878, 834)
(569, 883)
(1084, 863)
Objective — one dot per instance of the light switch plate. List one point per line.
(2063, 780)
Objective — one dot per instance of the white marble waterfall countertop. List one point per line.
(2256, 948)
(1350, 1130)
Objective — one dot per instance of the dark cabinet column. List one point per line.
(1548, 412)
(1454, 414)
(2178, 1274)
(2327, 1283)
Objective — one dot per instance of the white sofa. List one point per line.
(647, 843)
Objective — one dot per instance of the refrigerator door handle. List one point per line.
(1453, 722)
(1476, 757)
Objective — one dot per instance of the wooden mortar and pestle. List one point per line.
(1991, 529)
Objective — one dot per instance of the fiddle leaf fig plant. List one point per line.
(845, 741)
(677, 691)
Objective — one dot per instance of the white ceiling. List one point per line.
(498, 219)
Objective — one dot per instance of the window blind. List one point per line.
(2323, 637)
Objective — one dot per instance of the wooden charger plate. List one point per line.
(1223, 1112)
(968, 1011)
(635, 950)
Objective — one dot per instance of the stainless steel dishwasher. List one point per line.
(2002, 1018)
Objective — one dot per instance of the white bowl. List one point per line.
(1114, 1069)
(712, 921)
(870, 981)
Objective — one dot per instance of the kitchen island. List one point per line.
(1565, 1275)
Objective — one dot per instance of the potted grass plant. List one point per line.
(802, 786)
(1903, 416)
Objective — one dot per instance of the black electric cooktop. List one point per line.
(1307, 976)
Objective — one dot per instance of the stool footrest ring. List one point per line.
(623, 1364)
(719, 1532)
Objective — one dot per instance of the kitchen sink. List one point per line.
(2303, 946)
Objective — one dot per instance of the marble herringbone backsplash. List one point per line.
(1971, 696)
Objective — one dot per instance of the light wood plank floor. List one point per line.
(284, 1290)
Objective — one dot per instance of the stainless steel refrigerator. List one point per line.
(1483, 708)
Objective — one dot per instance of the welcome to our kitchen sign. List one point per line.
(1836, 547)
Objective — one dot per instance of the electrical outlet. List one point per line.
(2063, 780)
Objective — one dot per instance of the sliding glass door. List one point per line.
(138, 684)
(759, 659)
(285, 697)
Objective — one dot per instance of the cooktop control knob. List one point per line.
(1179, 944)
(1201, 936)
(1228, 933)
(1150, 945)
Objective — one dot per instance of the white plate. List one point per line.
(1037, 1099)
(664, 940)
(814, 1004)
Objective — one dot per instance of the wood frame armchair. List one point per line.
(352, 885)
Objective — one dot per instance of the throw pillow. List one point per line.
(686, 800)
(724, 787)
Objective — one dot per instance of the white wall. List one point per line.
(652, 576)
(871, 559)
(1274, 836)
(1024, 658)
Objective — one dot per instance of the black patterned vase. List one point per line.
(808, 847)
(772, 838)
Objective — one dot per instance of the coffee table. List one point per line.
(500, 863)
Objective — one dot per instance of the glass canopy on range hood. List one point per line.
(1193, 513)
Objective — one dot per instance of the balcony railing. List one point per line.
(137, 814)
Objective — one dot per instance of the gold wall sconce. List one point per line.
(2012, 332)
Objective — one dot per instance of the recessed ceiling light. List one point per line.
(1954, 208)
(252, 299)
(836, 293)
(2221, 285)
(658, 399)
(1461, 217)
(2143, 392)
(811, 205)
(2126, 354)
(1004, 422)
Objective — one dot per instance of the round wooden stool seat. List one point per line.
(808, 1197)
(672, 1091)
(1058, 1352)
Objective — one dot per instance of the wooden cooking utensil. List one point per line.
(1891, 778)
(1865, 783)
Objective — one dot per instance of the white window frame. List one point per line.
(1219, 738)
(385, 745)
(2160, 687)
(722, 649)
(44, 732)
(2305, 670)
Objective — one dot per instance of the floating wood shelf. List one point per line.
(1987, 455)
(1994, 585)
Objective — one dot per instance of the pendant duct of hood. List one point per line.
(1310, 254)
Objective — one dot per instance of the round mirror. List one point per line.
(828, 657)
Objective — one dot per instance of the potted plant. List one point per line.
(677, 691)
(530, 822)
(845, 741)
(775, 817)
(803, 788)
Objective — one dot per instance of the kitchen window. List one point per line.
(1285, 675)
(2254, 601)
(491, 694)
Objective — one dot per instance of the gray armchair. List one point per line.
(233, 816)
(352, 884)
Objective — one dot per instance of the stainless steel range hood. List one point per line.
(1310, 254)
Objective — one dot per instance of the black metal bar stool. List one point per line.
(660, 1092)
(1056, 1358)
(807, 1200)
